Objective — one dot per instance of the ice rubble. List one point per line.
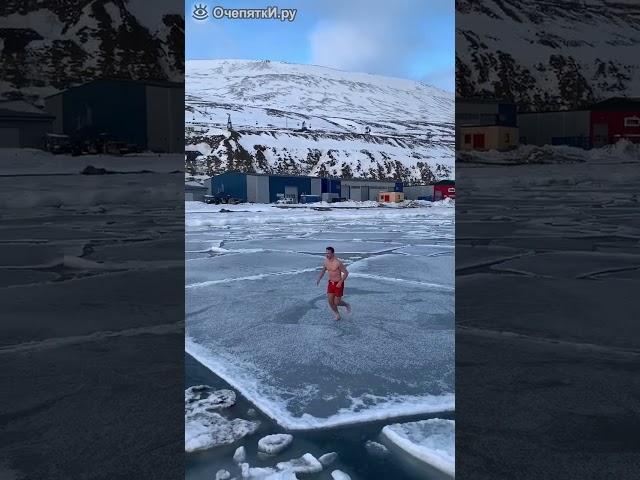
(339, 475)
(203, 427)
(223, 475)
(375, 448)
(328, 458)
(266, 473)
(430, 441)
(240, 455)
(305, 464)
(274, 444)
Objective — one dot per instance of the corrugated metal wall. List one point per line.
(555, 128)
(54, 106)
(278, 185)
(258, 188)
(413, 192)
(165, 118)
(316, 186)
(231, 183)
(117, 108)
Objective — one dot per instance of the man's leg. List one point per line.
(331, 300)
(340, 303)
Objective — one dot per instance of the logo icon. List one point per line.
(200, 11)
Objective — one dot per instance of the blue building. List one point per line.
(260, 188)
(131, 111)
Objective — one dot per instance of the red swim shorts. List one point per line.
(333, 288)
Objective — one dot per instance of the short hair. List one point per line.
(331, 249)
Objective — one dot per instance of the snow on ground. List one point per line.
(31, 161)
(257, 319)
(622, 151)
(430, 441)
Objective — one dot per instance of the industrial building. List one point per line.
(24, 129)
(418, 192)
(444, 189)
(437, 191)
(556, 128)
(601, 124)
(262, 188)
(195, 192)
(391, 197)
(140, 113)
(486, 125)
(361, 190)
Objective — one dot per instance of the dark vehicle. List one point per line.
(57, 144)
(219, 198)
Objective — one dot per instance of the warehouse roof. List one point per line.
(18, 115)
(483, 100)
(194, 185)
(615, 103)
(154, 83)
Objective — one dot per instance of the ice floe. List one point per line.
(247, 306)
(305, 464)
(430, 441)
(205, 428)
(339, 475)
(375, 448)
(328, 458)
(274, 444)
(223, 475)
(240, 455)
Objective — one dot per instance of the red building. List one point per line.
(615, 119)
(444, 189)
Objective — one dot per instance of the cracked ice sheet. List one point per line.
(469, 256)
(571, 264)
(429, 441)
(592, 312)
(304, 245)
(282, 349)
(233, 266)
(436, 270)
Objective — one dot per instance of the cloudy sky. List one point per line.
(404, 38)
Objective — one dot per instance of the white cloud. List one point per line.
(375, 36)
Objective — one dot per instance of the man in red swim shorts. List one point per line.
(337, 276)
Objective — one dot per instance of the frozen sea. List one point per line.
(91, 279)
(255, 317)
(547, 282)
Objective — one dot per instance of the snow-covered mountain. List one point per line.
(304, 119)
(548, 54)
(48, 46)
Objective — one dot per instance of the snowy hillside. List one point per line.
(581, 51)
(304, 119)
(45, 50)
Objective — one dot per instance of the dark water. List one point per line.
(347, 441)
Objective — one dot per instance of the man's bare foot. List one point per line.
(338, 318)
(348, 305)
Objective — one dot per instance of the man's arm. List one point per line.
(324, 269)
(344, 273)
